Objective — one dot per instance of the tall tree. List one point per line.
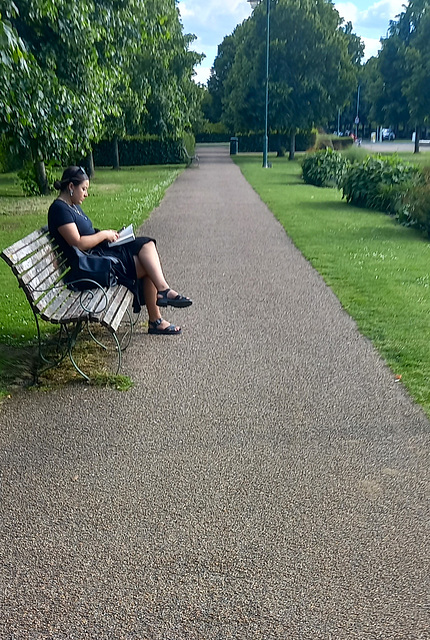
(220, 71)
(311, 70)
(416, 85)
(399, 90)
(75, 53)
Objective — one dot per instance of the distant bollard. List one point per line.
(373, 136)
(234, 146)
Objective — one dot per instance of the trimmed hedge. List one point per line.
(253, 143)
(140, 151)
(207, 138)
(339, 144)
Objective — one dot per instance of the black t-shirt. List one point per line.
(61, 213)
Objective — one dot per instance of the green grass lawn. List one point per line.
(378, 269)
(116, 198)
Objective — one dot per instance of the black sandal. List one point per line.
(171, 330)
(177, 301)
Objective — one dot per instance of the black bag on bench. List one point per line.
(88, 267)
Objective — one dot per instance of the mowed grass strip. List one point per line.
(116, 198)
(378, 269)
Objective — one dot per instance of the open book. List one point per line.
(126, 234)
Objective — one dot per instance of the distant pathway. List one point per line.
(265, 479)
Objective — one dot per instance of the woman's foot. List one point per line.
(172, 298)
(161, 327)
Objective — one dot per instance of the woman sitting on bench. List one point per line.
(138, 259)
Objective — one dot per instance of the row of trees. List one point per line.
(396, 83)
(71, 73)
(315, 70)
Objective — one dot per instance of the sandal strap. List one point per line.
(157, 322)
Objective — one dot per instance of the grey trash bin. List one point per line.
(234, 146)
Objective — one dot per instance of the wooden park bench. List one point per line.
(40, 269)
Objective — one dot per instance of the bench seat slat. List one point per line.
(51, 312)
(39, 283)
(108, 314)
(71, 310)
(114, 319)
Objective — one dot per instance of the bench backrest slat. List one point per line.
(20, 249)
(45, 257)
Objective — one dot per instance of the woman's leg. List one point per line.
(150, 293)
(148, 264)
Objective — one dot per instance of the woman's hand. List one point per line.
(111, 235)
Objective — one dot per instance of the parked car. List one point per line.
(388, 134)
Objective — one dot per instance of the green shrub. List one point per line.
(28, 179)
(324, 168)
(414, 210)
(355, 154)
(11, 157)
(323, 142)
(378, 183)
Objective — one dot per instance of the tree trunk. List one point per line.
(89, 162)
(292, 145)
(42, 181)
(115, 153)
(417, 139)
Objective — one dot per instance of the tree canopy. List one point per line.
(313, 67)
(399, 78)
(73, 71)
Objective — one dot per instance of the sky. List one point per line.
(212, 20)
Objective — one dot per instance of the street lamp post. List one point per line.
(253, 4)
(357, 119)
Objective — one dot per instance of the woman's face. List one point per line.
(80, 192)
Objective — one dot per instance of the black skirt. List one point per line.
(125, 252)
(125, 271)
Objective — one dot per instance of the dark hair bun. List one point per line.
(57, 185)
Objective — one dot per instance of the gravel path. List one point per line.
(265, 479)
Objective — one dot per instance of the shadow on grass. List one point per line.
(18, 365)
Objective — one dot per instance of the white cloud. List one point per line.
(348, 11)
(202, 75)
(380, 14)
(372, 46)
(217, 18)
(374, 20)
(184, 11)
(211, 21)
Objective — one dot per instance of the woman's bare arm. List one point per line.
(72, 236)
